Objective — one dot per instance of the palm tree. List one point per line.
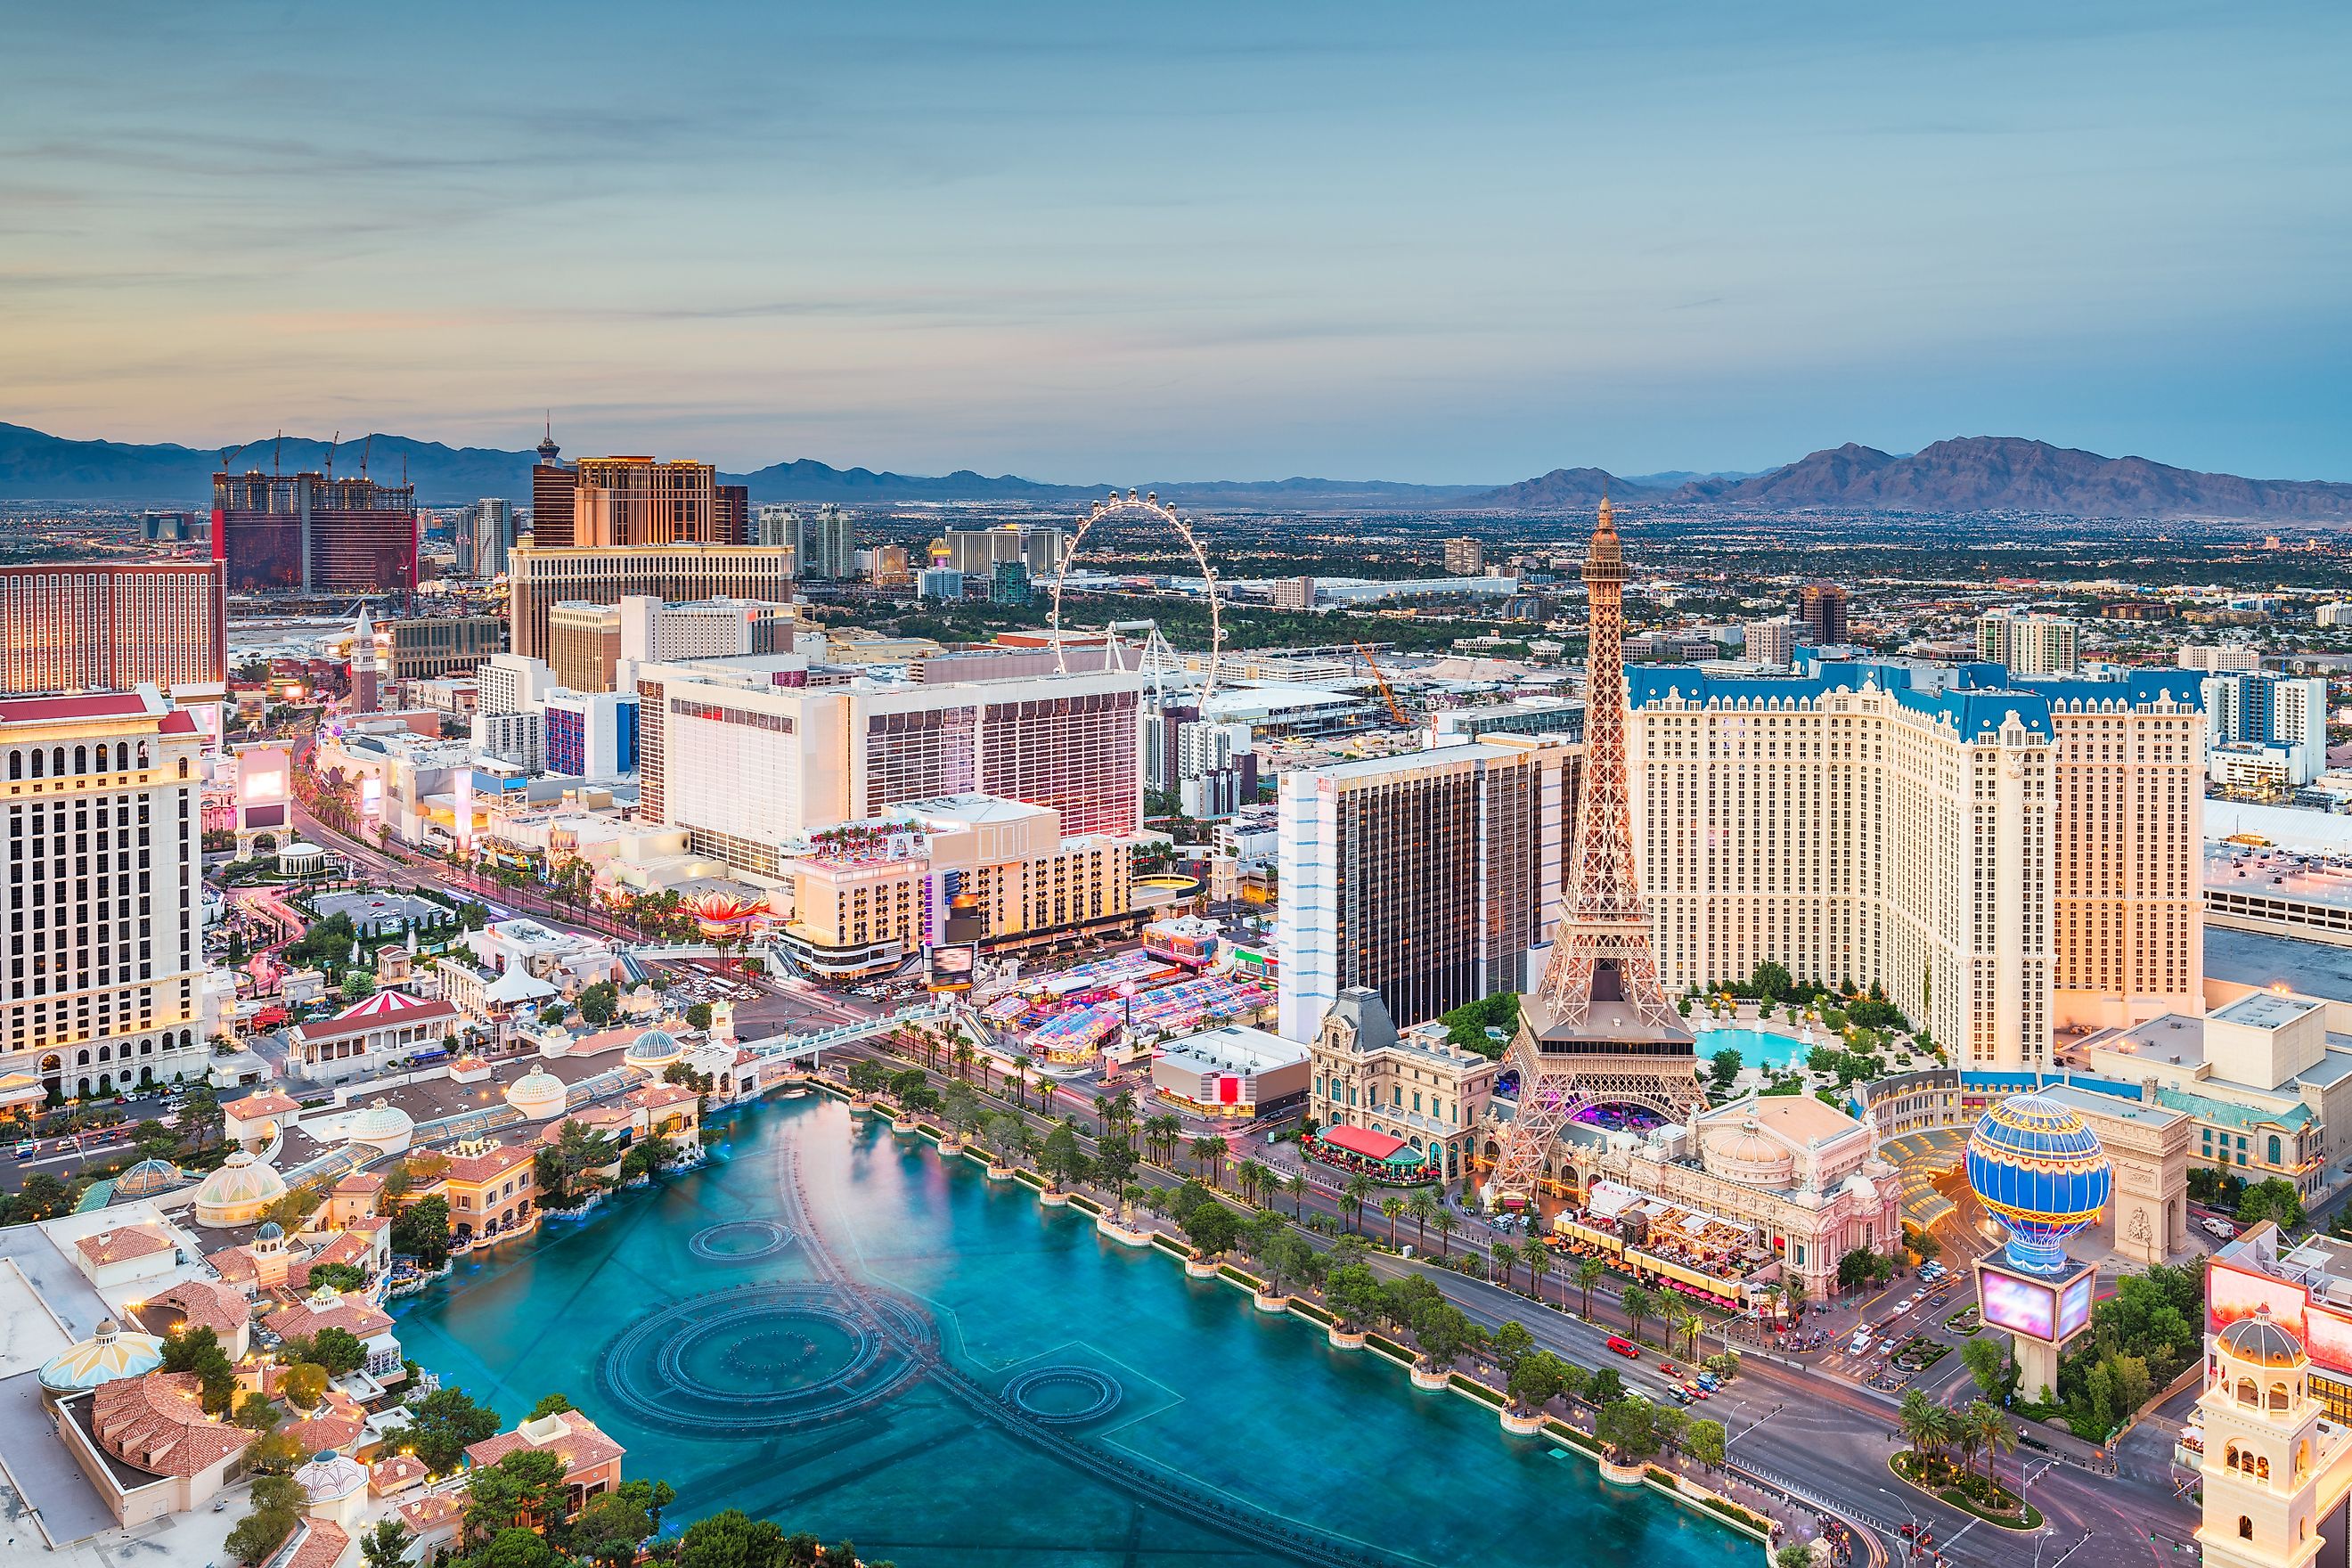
(1046, 1089)
(1505, 1257)
(1915, 1418)
(1206, 1152)
(1994, 1433)
(963, 1057)
(1687, 1323)
(1589, 1271)
(1295, 1185)
(1795, 1292)
(1639, 1306)
(1102, 1116)
(1354, 1196)
(1246, 1180)
(1423, 1206)
(1768, 1298)
(1446, 1225)
(1021, 1065)
(1393, 1207)
(1539, 1258)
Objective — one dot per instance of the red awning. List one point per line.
(1363, 1140)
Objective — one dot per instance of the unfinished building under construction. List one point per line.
(314, 532)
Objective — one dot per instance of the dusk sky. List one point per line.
(1112, 243)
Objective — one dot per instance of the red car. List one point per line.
(1626, 1348)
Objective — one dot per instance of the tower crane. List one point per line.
(1388, 694)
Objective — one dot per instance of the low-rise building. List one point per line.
(592, 1461)
(366, 1038)
(1232, 1071)
(148, 1448)
(1417, 1085)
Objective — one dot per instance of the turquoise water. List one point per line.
(1251, 1406)
(1756, 1048)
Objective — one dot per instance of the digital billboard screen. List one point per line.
(2075, 1306)
(2022, 1306)
(2233, 1293)
(952, 965)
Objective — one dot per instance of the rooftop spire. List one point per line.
(547, 446)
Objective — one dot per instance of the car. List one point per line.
(29, 1147)
(1710, 1381)
(1669, 1369)
(1678, 1394)
(1625, 1348)
(2219, 1228)
(1858, 1344)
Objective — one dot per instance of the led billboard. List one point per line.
(2028, 1307)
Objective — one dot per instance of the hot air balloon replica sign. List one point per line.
(2041, 1173)
(722, 916)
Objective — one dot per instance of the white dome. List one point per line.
(384, 1125)
(237, 1192)
(537, 1094)
(1746, 1153)
(331, 1476)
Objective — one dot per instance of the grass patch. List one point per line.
(1310, 1310)
(1971, 1494)
(1389, 1347)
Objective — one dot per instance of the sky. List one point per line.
(1107, 243)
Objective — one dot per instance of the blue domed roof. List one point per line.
(147, 1178)
(2040, 1171)
(271, 1231)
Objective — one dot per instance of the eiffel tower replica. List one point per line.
(1600, 1030)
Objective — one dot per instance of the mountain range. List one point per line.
(1972, 474)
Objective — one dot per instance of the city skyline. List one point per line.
(1437, 248)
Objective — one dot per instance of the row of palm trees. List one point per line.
(1936, 1432)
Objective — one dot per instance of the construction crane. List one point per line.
(229, 454)
(329, 469)
(1396, 711)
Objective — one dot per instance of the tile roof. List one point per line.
(269, 1103)
(203, 1304)
(398, 1473)
(569, 1433)
(433, 1512)
(314, 1542)
(105, 1246)
(474, 1169)
(353, 1316)
(155, 1423)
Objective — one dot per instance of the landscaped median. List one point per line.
(1971, 1493)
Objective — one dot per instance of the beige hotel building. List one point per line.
(2005, 859)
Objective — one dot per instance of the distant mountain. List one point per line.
(1564, 489)
(2006, 473)
(34, 465)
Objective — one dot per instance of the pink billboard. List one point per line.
(2328, 1337)
(2025, 1307)
(2075, 1306)
(2232, 1293)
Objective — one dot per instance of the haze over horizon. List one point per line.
(1387, 242)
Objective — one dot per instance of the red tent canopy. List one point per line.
(1363, 1140)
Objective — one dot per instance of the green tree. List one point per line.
(1586, 1274)
(199, 1351)
(697, 1016)
(1724, 1066)
(600, 1004)
(1704, 1442)
(277, 1506)
(2272, 1198)
(551, 1404)
(565, 1169)
(1605, 1387)
(1625, 1427)
(515, 1547)
(443, 1425)
(304, 1384)
(1512, 1344)
(1114, 1162)
(615, 1525)
(386, 1546)
(1988, 1362)
(1771, 981)
(357, 986)
(43, 1196)
(344, 1277)
(1639, 1307)
(524, 1488)
(1061, 1158)
(1208, 1155)
(1211, 1227)
(1859, 1267)
(256, 1412)
(1539, 1379)
(1007, 1137)
(732, 1539)
(1354, 1195)
(1353, 1293)
(421, 1231)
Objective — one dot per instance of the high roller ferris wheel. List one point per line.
(1147, 504)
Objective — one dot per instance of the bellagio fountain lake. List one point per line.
(833, 1327)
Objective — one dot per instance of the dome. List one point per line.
(653, 1051)
(2041, 1172)
(147, 1178)
(237, 1192)
(271, 1231)
(537, 1094)
(384, 1125)
(331, 1476)
(104, 1356)
(2262, 1340)
(1748, 1153)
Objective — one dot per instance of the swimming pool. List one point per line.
(1757, 1049)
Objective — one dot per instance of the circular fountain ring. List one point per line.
(710, 1365)
(738, 1241)
(1023, 1391)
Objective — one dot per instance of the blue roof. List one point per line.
(1978, 699)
